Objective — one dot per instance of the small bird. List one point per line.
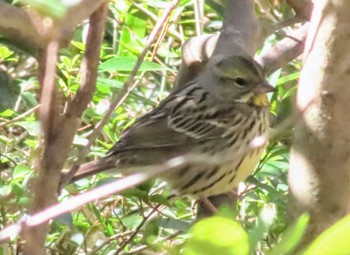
(215, 116)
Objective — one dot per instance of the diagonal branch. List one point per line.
(284, 51)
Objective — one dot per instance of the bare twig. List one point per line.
(143, 247)
(20, 117)
(155, 18)
(110, 239)
(138, 228)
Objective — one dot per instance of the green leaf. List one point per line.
(7, 113)
(217, 235)
(128, 63)
(21, 170)
(5, 53)
(175, 224)
(110, 83)
(292, 237)
(65, 219)
(334, 240)
(79, 140)
(264, 221)
(133, 32)
(287, 78)
(134, 192)
(33, 127)
(132, 221)
(157, 198)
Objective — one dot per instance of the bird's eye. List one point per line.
(240, 81)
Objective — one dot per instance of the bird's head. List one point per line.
(237, 79)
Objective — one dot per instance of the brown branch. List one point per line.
(239, 34)
(239, 29)
(284, 51)
(302, 8)
(25, 29)
(89, 64)
(59, 131)
(318, 176)
(49, 115)
(195, 54)
(20, 117)
(109, 240)
(18, 27)
(75, 15)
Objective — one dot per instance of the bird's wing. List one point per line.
(180, 120)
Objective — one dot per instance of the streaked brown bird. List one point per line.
(216, 117)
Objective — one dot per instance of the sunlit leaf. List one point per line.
(21, 170)
(128, 63)
(334, 240)
(217, 235)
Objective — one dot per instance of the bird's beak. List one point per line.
(264, 88)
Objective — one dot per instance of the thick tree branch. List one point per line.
(59, 131)
(18, 27)
(319, 176)
(284, 51)
(239, 29)
(302, 8)
(239, 33)
(27, 30)
(75, 15)
(49, 115)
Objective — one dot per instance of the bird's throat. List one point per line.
(260, 100)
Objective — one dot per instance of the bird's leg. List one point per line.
(208, 204)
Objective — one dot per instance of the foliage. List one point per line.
(141, 218)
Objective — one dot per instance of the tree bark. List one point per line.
(319, 175)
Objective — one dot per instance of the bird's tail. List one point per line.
(93, 167)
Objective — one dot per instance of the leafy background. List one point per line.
(141, 220)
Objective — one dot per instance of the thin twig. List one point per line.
(155, 18)
(138, 228)
(143, 247)
(20, 117)
(110, 239)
